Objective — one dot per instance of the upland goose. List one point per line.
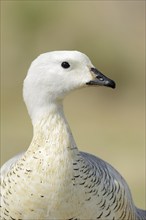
(53, 179)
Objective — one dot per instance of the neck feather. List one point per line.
(52, 131)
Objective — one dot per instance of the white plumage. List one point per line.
(53, 179)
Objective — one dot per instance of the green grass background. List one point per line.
(108, 123)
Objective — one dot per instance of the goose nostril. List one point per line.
(100, 78)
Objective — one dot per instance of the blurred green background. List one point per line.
(105, 122)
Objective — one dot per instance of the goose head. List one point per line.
(53, 75)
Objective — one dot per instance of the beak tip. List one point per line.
(110, 83)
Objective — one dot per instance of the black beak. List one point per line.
(100, 79)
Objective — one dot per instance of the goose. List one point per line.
(53, 180)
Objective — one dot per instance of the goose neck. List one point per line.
(52, 130)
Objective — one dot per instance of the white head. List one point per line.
(54, 74)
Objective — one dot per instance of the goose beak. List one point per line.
(100, 79)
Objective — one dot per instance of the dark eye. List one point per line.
(65, 65)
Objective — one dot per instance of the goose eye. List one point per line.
(65, 65)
